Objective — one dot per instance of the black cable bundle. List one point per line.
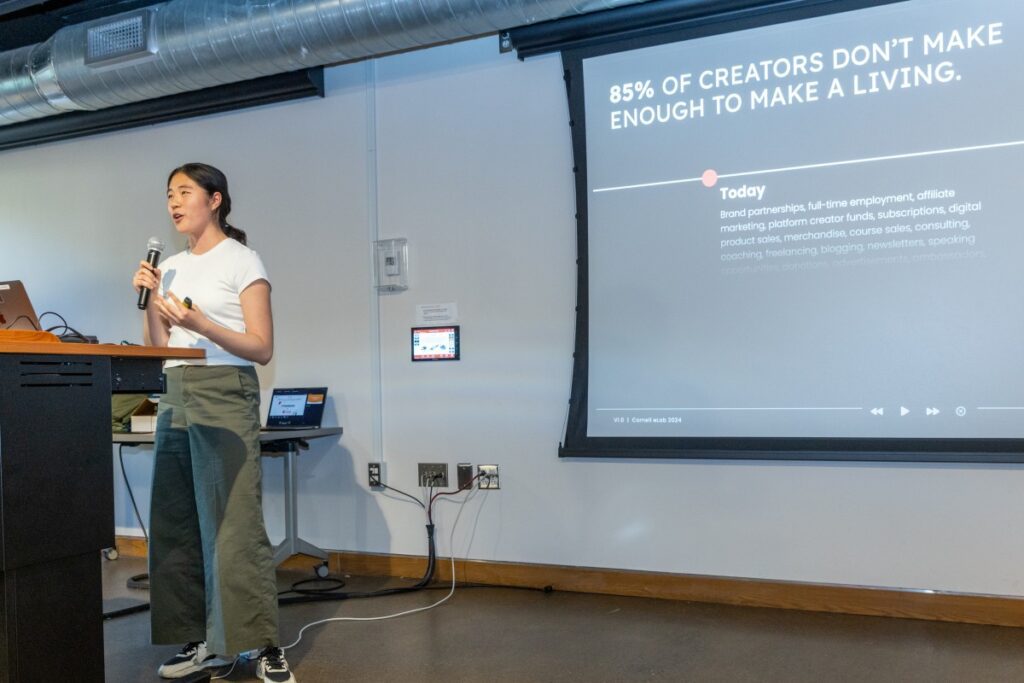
(331, 594)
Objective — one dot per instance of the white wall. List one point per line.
(467, 154)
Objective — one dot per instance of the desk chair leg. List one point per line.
(292, 543)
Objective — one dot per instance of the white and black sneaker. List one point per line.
(193, 657)
(271, 666)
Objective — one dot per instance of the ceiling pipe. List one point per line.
(187, 45)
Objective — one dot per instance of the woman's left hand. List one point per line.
(176, 313)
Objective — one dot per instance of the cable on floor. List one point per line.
(332, 593)
(451, 544)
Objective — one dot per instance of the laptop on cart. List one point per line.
(296, 408)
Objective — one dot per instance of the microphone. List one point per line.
(155, 247)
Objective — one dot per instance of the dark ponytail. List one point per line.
(234, 233)
(213, 180)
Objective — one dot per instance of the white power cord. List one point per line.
(225, 675)
(451, 546)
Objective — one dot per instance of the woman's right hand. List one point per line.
(146, 277)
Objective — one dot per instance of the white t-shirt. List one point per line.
(213, 280)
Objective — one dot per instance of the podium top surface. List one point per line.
(112, 350)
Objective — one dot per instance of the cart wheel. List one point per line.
(322, 570)
(111, 553)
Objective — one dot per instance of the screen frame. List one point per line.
(576, 443)
(412, 343)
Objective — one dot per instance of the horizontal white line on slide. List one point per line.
(847, 162)
(1000, 408)
(653, 410)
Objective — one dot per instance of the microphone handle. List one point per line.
(153, 258)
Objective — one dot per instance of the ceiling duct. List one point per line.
(187, 45)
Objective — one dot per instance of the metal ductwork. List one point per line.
(187, 45)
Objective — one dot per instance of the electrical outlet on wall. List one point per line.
(375, 471)
(464, 475)
(433, 474)
(488, 476)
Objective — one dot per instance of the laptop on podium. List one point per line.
(16, 312)
(297, 408)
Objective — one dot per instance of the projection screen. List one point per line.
(801, 236)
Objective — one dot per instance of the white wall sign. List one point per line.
(429, 314)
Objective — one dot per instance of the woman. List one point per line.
(212, 582)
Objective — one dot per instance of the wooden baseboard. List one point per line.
(131, 546)
(887, 602)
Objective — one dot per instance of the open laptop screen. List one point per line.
(16, 312)
(300, 408)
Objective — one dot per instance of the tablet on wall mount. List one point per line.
(435, 343)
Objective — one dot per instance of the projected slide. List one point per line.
(812, 229)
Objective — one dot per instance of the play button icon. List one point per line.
(904, 411)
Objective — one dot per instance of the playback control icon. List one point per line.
(904, 411)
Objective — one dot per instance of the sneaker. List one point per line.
(271, 666)
(193, 657)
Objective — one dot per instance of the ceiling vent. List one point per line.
(126, 38)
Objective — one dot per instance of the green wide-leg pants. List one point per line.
(211, 566)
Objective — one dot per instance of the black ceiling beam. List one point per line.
(289, 86)
(12, 6)
(632, 22)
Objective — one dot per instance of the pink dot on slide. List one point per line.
(709, 178)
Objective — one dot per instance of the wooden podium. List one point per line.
(57, 500)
